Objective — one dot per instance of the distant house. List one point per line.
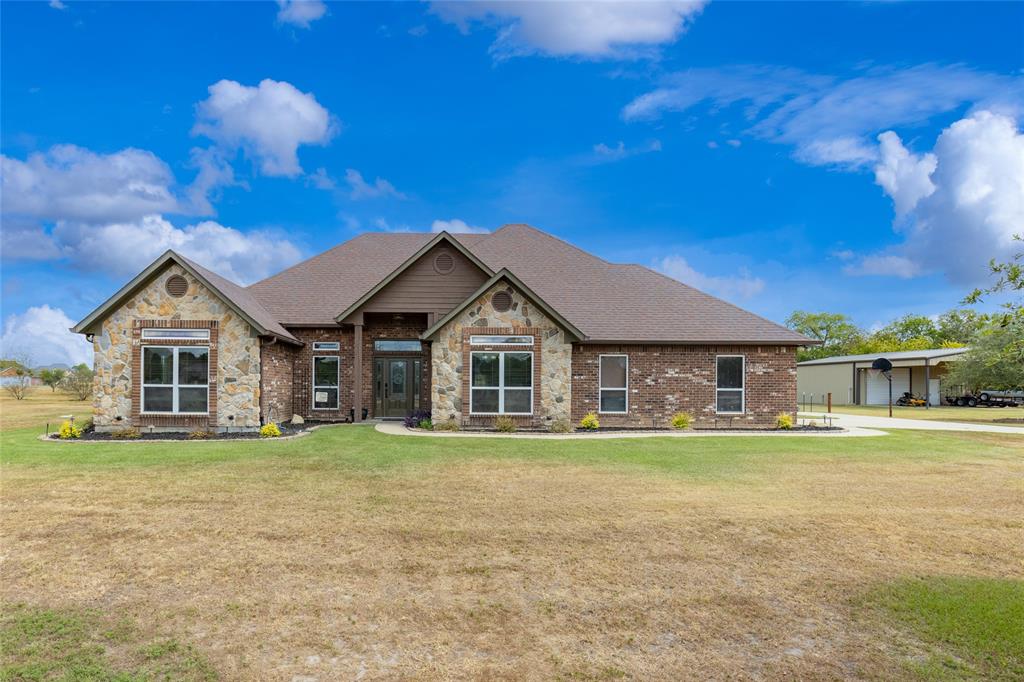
(851, 381)
(11, 375)
(466, 327)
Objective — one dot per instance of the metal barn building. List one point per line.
(851, 381)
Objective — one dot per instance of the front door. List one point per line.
(396, 387)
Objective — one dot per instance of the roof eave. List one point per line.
(441, 236)
(85, 326)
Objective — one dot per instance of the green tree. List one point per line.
(1009, 280)
(52, 378)
(987, 365)
(912, 328)
(836, 332)
(961, 325)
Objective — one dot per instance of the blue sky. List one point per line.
(864, 158)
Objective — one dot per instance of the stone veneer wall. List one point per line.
(238, 357)
(665, 379)
(450, 358)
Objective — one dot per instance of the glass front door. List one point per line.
(396, 387)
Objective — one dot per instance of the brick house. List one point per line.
(467, 326)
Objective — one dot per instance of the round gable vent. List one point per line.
(444, 262)
(176, 286)
(501, 301)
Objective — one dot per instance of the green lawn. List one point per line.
(350, 553)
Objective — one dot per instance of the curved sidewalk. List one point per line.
(398, 429)
(859, 421)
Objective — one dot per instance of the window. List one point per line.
(326, 379)
(730, 373)
(407, 345)
(326, 345)
(176, 334)
(501, 340)
(613, 378)
(501, 383)
(175, 379)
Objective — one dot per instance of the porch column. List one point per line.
(357, 372)
(927, 385)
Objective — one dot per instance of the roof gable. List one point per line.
(443, 238)
(236, 297)
(504, 274)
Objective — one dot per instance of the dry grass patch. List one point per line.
(946, 413)
(331, 559)
(41, 405)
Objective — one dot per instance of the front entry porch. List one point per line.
(397, 386)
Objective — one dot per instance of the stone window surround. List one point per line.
(468, 349)
(139, 419)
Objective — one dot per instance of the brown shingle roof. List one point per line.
(606, 301)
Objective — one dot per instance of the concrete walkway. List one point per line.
(398, 429)
(859, 421)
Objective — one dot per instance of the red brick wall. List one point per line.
(302, 373)
(277, 365)
(667, 379)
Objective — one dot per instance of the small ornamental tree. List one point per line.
(78, 381)
(17, 386)
(52, 378)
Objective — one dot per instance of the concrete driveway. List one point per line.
(850, 421)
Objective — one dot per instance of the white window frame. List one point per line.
(326, 346)
(742, 390)
(601, 389)
(313, 380)
(418, 349)
(169, 334)
(483, 340)
(501, 382)
(174, 386)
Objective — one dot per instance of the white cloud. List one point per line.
(456, 226)
(300, 13)
(958, 206)
(360, 189)
(124, 249)
(604, 153)
(884, 266)
(586, 29)
(214, 173)
(57, 4)
(72, 183)
(26, 240)
(829, 120)
(268, 122)
(42, 334)
(741, 286)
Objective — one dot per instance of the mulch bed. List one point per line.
(286, 430)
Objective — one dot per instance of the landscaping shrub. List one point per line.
(681, 420)
(69, 431)
(200, 434)
(560, 426)
(450, 425)
(505, 424)
(784, 421)
(129, 433)
(270, 431)
(590, 422)
(414, 419)
(426, 424)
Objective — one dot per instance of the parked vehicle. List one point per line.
(988, 399)
(908, 399)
